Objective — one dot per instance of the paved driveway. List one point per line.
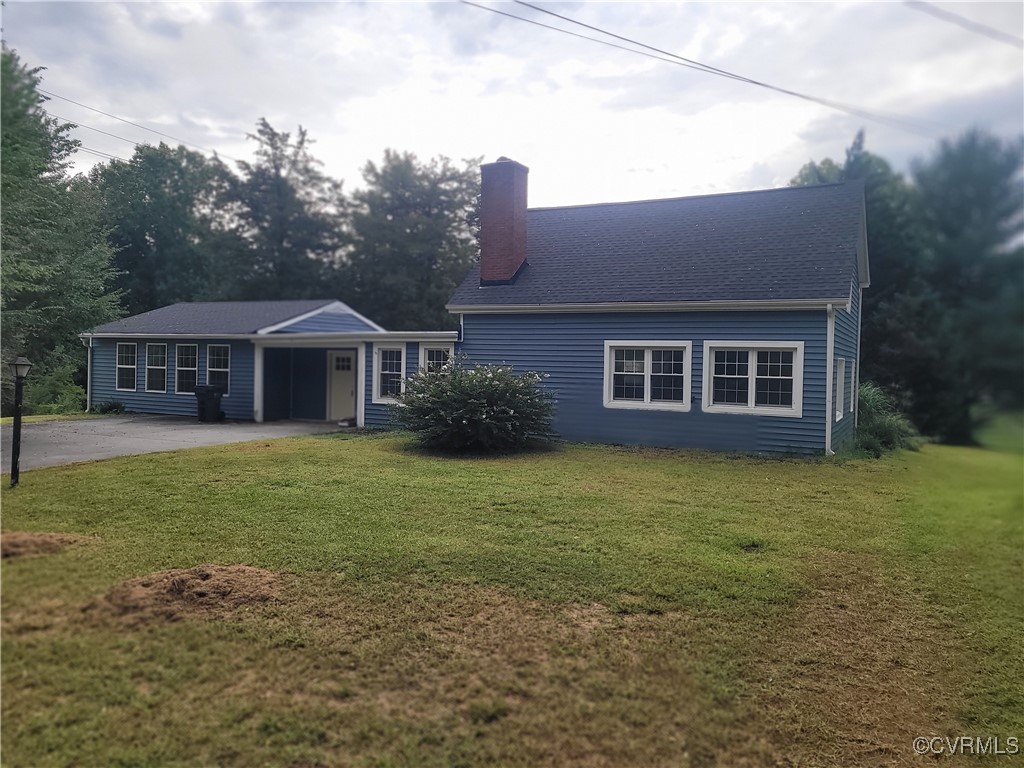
(47, 443)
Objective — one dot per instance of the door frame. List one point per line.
(358, 354)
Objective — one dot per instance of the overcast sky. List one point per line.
(592, 123)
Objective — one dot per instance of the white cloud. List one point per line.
(592, 122)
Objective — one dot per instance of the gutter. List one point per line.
(771, 305)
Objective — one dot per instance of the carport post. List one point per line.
(257, 384)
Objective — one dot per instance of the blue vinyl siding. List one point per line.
(237, 405)
(570, 348)
(378, 415)
(846, 348)
(329, 323)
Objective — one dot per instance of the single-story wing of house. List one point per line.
(309, 359)
(727, 322)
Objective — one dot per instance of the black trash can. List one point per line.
(208, 402)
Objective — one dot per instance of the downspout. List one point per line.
(830, 340)
(856, 371)
(88, 374)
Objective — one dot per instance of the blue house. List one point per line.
(728, 322)
(317, 359)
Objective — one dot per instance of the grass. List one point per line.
(9, 420)
(590, 606)
(1003, 431)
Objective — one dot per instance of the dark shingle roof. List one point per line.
(792, 243)
(213, 317)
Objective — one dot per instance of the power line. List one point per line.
(965, 23)
(137, 125)
(891, 120)
(90, 128)
(101, 154)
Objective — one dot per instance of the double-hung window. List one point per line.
(218, 366)
(758, 377)
(388, 373)
(156, 367)
(433, 358)
(125, 373)
(649, 375)
(186, 368)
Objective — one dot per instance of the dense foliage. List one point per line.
(943, 320)
(461, 407)
(56, 267)
(881, 426)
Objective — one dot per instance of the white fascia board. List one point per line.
(863, 262)
(299, 318)
(773, 305)
(166, 335)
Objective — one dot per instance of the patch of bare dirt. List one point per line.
(859, 672)
(18, 544)
(209, 591)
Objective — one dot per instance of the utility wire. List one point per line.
(101, 154)
(137, 125)
(968, 24)
(891, 120)
(90, 128)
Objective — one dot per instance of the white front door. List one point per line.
(341, 393)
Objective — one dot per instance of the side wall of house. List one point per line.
(847, 323)
(378, 415)
(570, 348)
(236, 405)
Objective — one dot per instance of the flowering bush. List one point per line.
(460, 407)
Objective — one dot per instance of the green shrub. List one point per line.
(881, 426)
(51, 388)
(463, 407)
(110, 406)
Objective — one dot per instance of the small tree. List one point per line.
(463, 407)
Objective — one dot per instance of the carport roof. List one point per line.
(212, 318)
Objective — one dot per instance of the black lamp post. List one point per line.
(20, 368)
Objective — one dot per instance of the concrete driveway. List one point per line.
(47, 443)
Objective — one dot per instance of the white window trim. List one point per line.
(424, 346)
(227, 370)
(377, 398)
(840, 384)
(118, 366)
(794, 412)
(647, 345)
(145, 383)
(176, 369)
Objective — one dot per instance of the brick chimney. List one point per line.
(502, 221)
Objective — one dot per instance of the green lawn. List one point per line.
(590, 606)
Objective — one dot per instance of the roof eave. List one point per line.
(771, 305)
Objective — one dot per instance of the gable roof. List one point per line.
(211, 318)
(796, 243)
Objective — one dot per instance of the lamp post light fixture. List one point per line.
(20, 368)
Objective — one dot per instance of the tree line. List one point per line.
(943, 318)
